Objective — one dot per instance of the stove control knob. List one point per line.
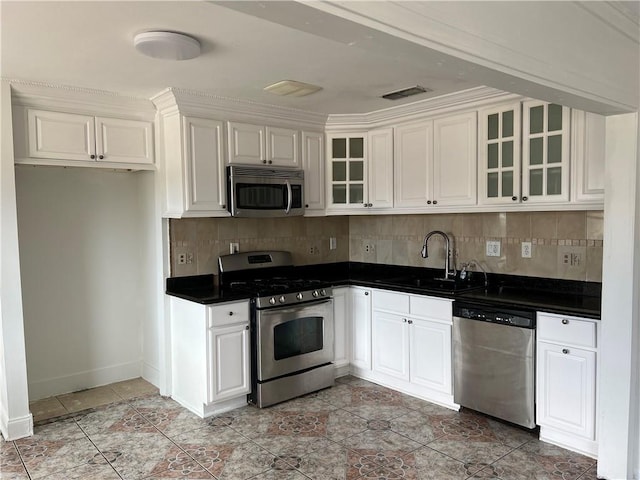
(323, 292)
(315, 293)
(299, 296)
(282, 299)
(272, 301)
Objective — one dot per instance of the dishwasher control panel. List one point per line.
(504, 316)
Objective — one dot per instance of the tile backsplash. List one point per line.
(566, 245)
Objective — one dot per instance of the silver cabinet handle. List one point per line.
(404, 320)
(565, 350)
(565, 321)
(366, 293)
(247, 327)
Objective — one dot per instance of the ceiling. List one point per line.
(89, 44)
(247, 45)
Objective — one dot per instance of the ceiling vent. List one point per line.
(291, 88)
(406, 92)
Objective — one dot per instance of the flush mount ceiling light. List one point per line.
(406, 92)
(167, 45)
(291, 88)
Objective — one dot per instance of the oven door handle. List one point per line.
(294, 308)
(289, 197)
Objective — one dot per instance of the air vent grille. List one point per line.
(406, 92)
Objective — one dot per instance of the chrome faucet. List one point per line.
(448, 274)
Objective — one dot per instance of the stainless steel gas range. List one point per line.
(291, 325)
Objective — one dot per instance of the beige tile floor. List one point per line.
(355, 430)
(61, 405)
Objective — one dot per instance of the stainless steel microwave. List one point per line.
(264, 191)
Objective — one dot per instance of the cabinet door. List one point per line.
(390, 340)
(499, 154)
(360, 306)
(124, 141)
(205, 183)
(61, 136)
(246, 143)
(545, 152)
(347, 171)
(341, 337)
(587, 156)
(283, 147)
(313, 164)
(566, 389)
(431, 354)
(455, 160)
(413, 175)
(380, 168)
(228, 351)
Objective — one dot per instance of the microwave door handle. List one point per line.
(289, 197)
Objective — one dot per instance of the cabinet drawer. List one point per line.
(566, 330)
(391, 301)
(431, 308)
(228, 314)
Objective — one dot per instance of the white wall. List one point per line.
(15, 419)
(619, 343)
(87, 288)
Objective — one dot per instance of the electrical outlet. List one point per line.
(369, 248)
(234, 247)
(526, 249)
(314, 250)
(493, 248)
(189, 258)
(182, 258)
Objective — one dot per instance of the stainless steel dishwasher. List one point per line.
(494, 361)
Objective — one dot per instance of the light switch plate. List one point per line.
(493, 248)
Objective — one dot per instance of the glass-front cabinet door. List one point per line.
(545, 152)
(499, 154)
(347, 170)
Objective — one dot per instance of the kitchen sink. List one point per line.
(429, 284)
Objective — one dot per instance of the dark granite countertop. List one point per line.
(541, 294)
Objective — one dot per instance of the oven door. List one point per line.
(291, 339)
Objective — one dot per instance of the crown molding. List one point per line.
(67, 97)
(472, 98)
(192, 102)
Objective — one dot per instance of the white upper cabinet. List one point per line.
(499, 154)
(380, 168)
(436, 162)
(61, 138)
(455, 160)
(360, 170)
(545, 152)
(313, 162)
(413, 161)
(587, 157)
(263, 145)
(195, 182)
(537, 175)
(347, 171)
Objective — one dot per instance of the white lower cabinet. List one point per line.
(411, 345)
(566, 381)
(390, 339)
(360, 312)
(210, 355)
(341, 330)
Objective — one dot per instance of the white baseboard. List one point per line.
(80, 380)
(15, 428)
(151, 374)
